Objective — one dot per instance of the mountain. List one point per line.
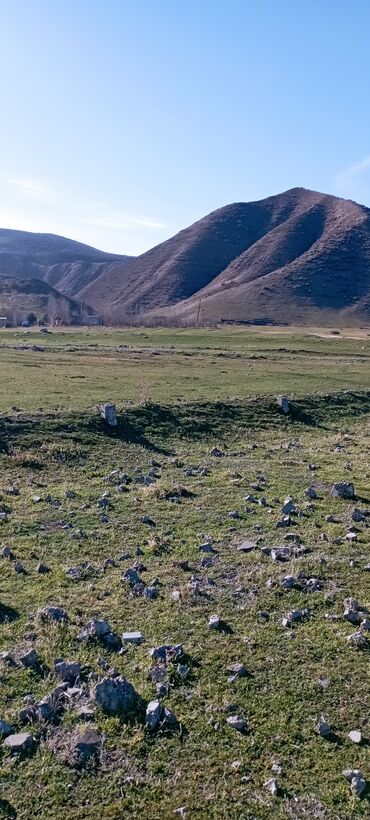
(294, 257)
(66, 265)
(297, 257)
(18, 297)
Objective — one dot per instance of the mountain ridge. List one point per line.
(66, 264)
(297, 255)
(299, 252)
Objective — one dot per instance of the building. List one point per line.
(92, 321)
(3, 321)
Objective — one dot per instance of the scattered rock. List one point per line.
(310, 492)
(323, 728)
(271, 786)
(167, 653)
(294, 616)
(207, 547)
(176, 595)
(283, 403)
(53, 613)
(30, 659)
(238, 723)
(86, 713)
(67, 671)
(281, 553)
(116, 696)
(153, 715)
(357, 515)
(343, 489)
(19, 743)
(289, 582)
(357, 781)
(131, 577)
(107, 412)
(288, 507)
(357, 640)
(42, 568)
(5, 729)
(132, 637)
(101, 631)
(247, 546)
(146, 519)
(70, 494)
(355, 735)
(236, 670)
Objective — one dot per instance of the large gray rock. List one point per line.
(271, 786)
(108, 413)
(237, 722)
(154, 715)
(355, 735)
(288, 506)
(132, 637)
(323, 728)
(357, 781)
(357, 640)
(44, 709)
(22, 742)
(236, 670)
(167, 653)
(101, 631)
(67, 671)
(85, 744)
(283, 403)
(116, 696)
(343, 489)
(30, 659)
(53, 613)
(94, 629)
(281, 553)
(5, 729)
(214, 622)
(247, 546)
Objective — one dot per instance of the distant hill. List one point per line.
(19, 297)
(297, 256)
(67, 265)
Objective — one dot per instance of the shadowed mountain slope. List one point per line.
(65, 264)
(283, 258)
(19, 297)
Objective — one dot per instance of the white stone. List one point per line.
(108, 413)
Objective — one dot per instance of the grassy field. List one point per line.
(179, 394)
(77, 369)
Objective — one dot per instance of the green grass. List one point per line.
(188, 406)
(78, 369)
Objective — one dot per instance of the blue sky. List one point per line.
(123, 121)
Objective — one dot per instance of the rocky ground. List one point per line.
(185, 609)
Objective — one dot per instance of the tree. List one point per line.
(31, 318)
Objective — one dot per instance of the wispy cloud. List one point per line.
(149, 223)
(29, 186)
(350, 179)
(123, 222)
